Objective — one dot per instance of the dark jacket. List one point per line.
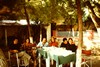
(15, 47)
(72, 47)
(65, 46)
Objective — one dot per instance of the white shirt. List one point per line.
(40, 44)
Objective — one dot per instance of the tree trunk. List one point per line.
(93, 16)
(79, 50)
(40, 32)
(28, 23)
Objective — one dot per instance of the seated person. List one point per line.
(72, 45)
(27, 46)
(15, 48)
(31, 50)
(64, 44)
(53, 42)
(43, 43)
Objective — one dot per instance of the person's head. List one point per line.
(65, 40)
(44, 40)
(15, 41)
(27, 40)
(53, 39)
(70, 40)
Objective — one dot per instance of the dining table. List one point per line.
(60, 55)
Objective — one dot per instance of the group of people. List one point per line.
(67, 44)
(25, 51)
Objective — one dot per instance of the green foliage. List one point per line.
(46, 10)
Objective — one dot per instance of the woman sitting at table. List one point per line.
(27, 46)
(72, 45)
(53, 42)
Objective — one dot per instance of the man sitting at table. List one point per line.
(43, 43)
(64, 44)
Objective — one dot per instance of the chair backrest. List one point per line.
(86, 52)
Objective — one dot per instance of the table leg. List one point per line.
(61, 65)
(48, 61)
(57, 65)
(71, 64)
(39, 60)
